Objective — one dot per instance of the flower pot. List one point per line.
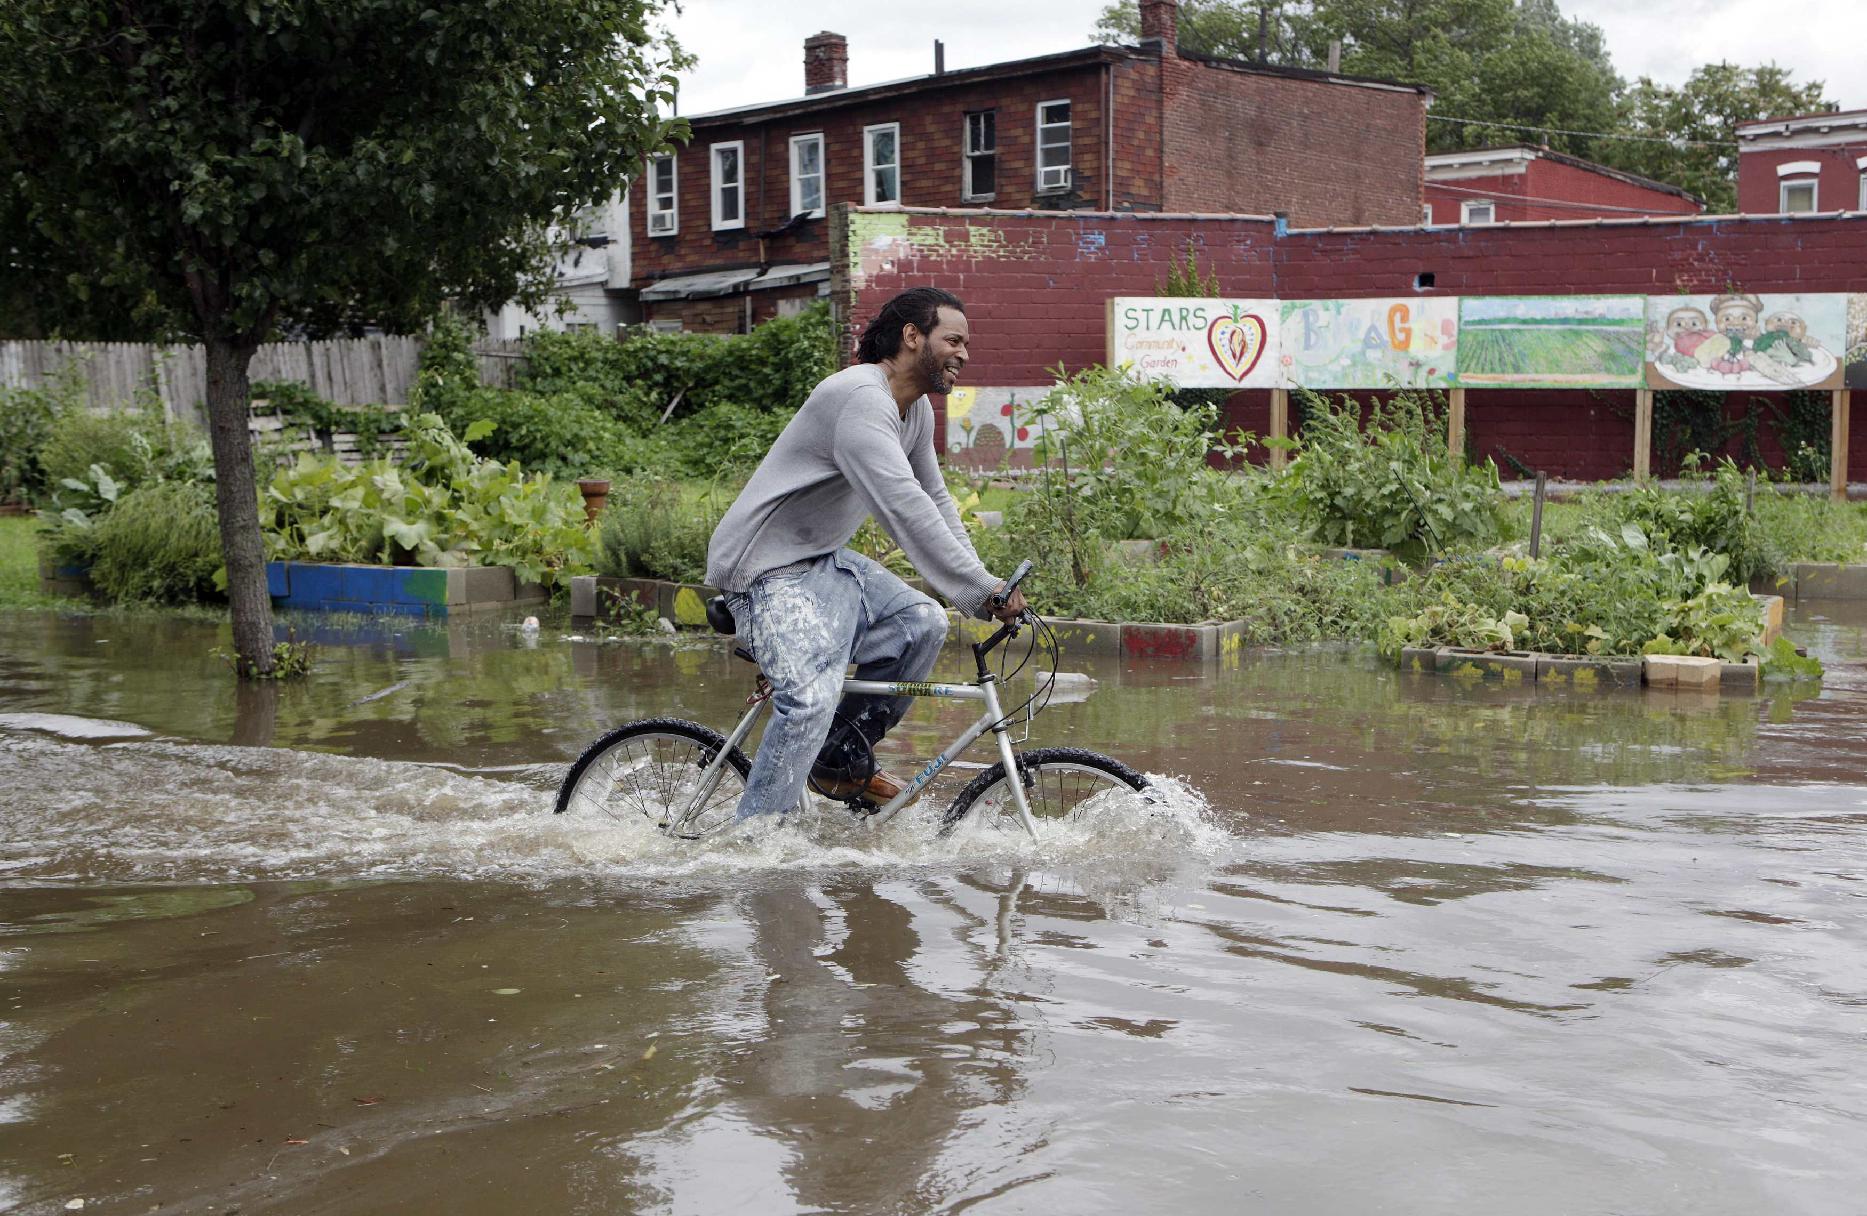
(595, 493)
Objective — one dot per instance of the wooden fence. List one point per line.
(361, 371)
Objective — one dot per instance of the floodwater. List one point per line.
(1386, 944)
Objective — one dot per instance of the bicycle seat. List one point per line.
(720, 616)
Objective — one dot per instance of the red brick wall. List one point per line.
(1594, 195)
(1036, 291)
(1257, 143)
(932, 142)
(1838, 187)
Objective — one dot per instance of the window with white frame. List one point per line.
(1795, 194)
(807, 175)
(1053, 146)
(729, 204)
(1862, 206)
(1478, 211)
(664, 217)
(881, 164)
(981, 156)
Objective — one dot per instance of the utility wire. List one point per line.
(1650, 139)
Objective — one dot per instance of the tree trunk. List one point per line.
(241, 547)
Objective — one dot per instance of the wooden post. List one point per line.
(1536, 515)
(1838, 444)
(1280, 425)
(1643, 433)
(1455, 424)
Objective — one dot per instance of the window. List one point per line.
(729, 185)
(1426, 216)
(1478, 211)
(1862, 205)
(981, 156)
(881, 164)
(664, 218)
(807, 175)
(1796, 194)
(1053, 146)
(666, 325)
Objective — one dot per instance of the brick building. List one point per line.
(731, 229)
(1509, 185)
(1815, 162)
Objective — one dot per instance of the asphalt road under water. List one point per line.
(1389, 944)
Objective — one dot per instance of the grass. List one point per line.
(19, 566)
(1796, 527)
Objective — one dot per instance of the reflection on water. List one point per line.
(1385, 943)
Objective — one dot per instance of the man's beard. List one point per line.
(934, 376)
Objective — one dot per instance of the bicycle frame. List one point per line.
(993, 719)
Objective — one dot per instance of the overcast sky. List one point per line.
(753, 50)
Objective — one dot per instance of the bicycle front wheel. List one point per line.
(653, 769)
(1058, 783)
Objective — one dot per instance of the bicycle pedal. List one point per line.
(862, 806)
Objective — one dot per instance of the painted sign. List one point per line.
(985, 425)
(1551, 341)
(1855, 372)
(1384, 343)
(1196, 343)
(1746, 340)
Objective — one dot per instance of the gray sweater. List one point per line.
(849, 454)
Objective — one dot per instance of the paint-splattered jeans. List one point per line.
(806, 623)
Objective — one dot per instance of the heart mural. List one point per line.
(1237, 343)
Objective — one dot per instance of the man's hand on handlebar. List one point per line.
(1013, 608)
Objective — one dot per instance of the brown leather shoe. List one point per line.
(879, 788)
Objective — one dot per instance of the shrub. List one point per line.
(27, 418)
(1392, 485)
(1715, 520)
(651, 528)
(558, 433)
(160, 543)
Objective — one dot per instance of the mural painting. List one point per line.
(1746, 340)
(1855, 375)
(1383, 343)
(1551, 341)
(1196, 343)
(984, 425)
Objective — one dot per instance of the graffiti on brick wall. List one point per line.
(1856, 370)
(1746, 340)
(1380, 343)
(986, 427)
(1551, 341)
(1196, 343)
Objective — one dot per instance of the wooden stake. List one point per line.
(1280, 424)
(1838, 444)
(1643, 434)
(1536, 516)
(1455, 424)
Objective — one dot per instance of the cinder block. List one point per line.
(1741, 677)
(480, 585)
(1683, 671)
(583, 597)
(1418, 658)
(1584, 674)
(1186, 643)
(1088, 637)
(1509, 668)
(1772, 606)
(1817, 580)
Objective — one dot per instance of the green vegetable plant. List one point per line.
(439, 506)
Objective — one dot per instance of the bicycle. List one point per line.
(686, 778)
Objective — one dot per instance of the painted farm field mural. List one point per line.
(1551, 341)
(1745, 340)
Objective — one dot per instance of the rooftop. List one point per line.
(1471, 157)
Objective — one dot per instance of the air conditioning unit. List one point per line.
(1056, 178)
(661, 221)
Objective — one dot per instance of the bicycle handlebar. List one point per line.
(1000, 598)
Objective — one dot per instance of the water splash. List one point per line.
(162, 810)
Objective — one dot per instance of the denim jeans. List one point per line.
(805, 624)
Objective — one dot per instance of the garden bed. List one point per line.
(426, 591)
(1826, 581)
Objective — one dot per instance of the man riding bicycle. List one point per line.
(806, 606)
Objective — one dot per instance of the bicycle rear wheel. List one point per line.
(1058, 783)
(652, 769)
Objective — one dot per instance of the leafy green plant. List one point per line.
(373, 426)
(651, 528)
(1721, 621)
(1783, 662)
(1716, 520)
(440, 506)
(160, 543)
(291, 660)
(27, 419)
(1390, 484)
(1453, 622)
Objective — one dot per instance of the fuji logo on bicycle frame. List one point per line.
(1237, 342)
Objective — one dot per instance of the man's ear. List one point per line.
(911, 329)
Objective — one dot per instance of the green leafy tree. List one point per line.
(1274, 31)
(1690, 132)
(223, 170)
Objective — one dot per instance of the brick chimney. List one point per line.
(826, 62)
(1160, 22)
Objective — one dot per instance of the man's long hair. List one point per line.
(917, 306)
